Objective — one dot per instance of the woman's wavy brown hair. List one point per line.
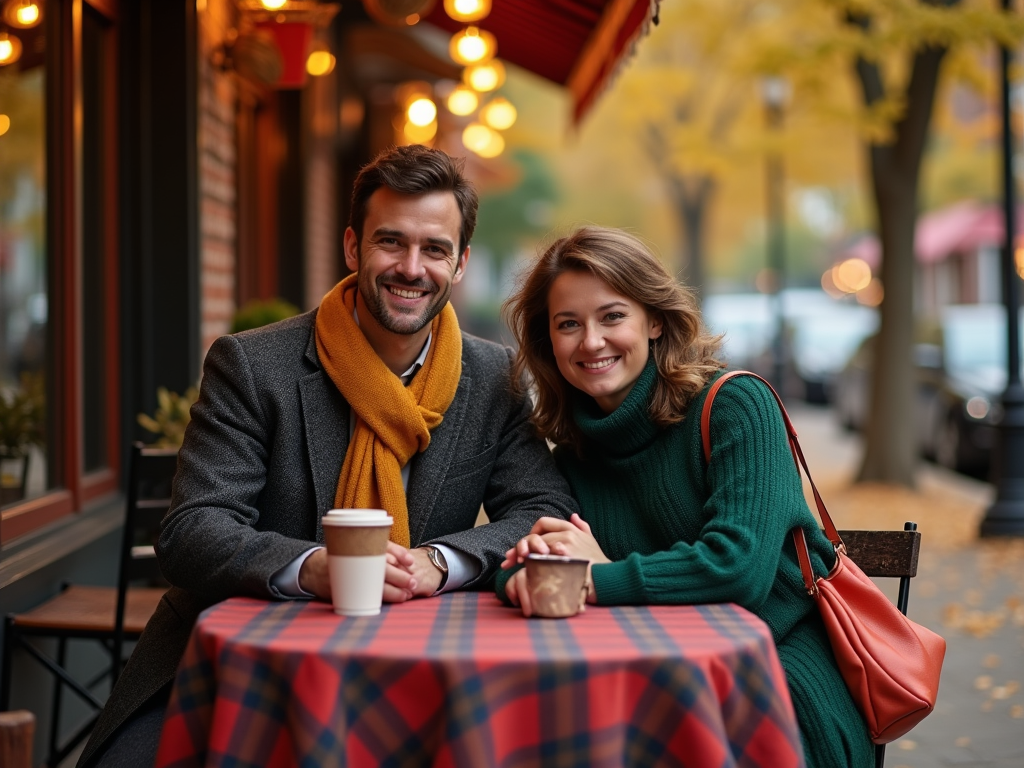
(684, 353)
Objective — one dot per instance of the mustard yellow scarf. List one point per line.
(393, 422)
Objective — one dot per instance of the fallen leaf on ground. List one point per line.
(982, 682)
(991, 661)
(906, 744)
(1017, 711)
(963, 741)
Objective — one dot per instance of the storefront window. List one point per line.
(24, 454)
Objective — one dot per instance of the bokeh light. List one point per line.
(467, 10)
(463, 101)
(482, 140)
(485, 77)
(499, 113)
(421, 111)
(472, 46)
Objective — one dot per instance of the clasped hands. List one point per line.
(552, 536)
(408, 574)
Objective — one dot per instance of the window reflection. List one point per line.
(23, 272)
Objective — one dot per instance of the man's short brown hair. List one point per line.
(415, 170)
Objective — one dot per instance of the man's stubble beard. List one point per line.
(375, 304)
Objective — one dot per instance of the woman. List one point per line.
(621, 365)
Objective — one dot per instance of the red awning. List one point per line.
(575, 43)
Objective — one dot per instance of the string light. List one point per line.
(467, 10)
(482, 140)
(485, 77)
(499, 114)
(421, 112)
(472, 46)
(320, 62)
(463, 101)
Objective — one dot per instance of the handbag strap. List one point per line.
(803, 553)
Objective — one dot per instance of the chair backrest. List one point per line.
(887, 554)
(150, 474)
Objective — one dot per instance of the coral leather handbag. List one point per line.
(890, 664)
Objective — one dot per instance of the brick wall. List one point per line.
(217, 160)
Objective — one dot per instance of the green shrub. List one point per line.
(257, 313)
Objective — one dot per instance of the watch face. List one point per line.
(437, 559)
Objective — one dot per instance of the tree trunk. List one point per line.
(890, 453)
(691, 198)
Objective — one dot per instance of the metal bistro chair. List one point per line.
(884, 554)
(110, 615)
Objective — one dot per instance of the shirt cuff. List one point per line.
(462, 568)
(286, 580)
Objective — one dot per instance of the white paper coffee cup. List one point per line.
(356, 541)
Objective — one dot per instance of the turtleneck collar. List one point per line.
(628, 428)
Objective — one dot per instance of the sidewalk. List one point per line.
(971, 591)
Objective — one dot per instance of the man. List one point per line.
(375, 399)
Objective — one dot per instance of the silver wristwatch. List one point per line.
(437, 558)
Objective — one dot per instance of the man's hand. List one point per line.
(313, 576)
(408, 574)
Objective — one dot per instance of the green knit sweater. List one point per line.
(680, 532)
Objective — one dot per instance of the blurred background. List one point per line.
(833, 179)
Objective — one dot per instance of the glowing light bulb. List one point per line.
(22, 14)
(467, 10)
(472, 46)
(485, 77)
(273, 5)
(5, 124)
(421, 112)
(27, 15)
(499, 114)
(463, 101)
(10, 49)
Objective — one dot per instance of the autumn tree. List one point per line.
(896, 49)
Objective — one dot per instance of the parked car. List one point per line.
(820, 334)
(960, 374)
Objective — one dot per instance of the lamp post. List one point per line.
(1006, 515)
(774, 92)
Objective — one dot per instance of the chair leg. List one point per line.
(880, 756)
(10, 632)
(58, 690)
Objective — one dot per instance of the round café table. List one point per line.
(460, 680)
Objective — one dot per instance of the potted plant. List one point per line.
(171, 417)
(22, 426)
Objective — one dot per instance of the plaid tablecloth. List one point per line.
(460, 680)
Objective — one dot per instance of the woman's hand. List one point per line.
(552, 536)
(518, 593)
